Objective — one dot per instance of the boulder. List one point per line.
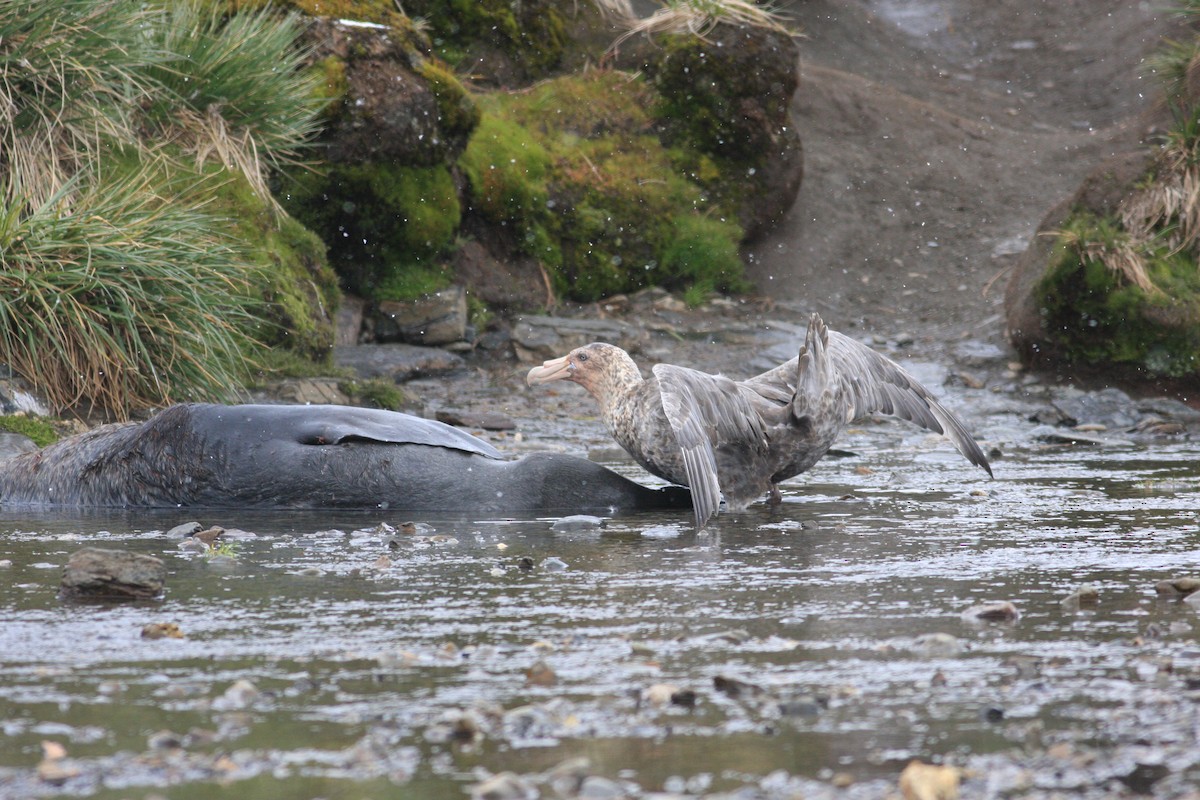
(96, 573)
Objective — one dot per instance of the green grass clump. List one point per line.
(374, 393)
(41, 432)
(1097, 316)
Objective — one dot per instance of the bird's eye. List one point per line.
(583, 356)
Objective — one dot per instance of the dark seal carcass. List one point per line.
(277, 456)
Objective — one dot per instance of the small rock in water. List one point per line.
(735, 688)
(577, 522)
(162, 630)
(541, 674)
(1177, 587)
(596, 787)
(802, 706)
(186, 529)
(1085, 596)
(920, 781)
(996, 611)
(100, 574)
(503, 786)
(553, 564)
(566, 778)
(662, 694)
(937, 645)
(237, 697)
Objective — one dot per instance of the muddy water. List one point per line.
(815, 648)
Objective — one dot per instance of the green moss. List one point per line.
(1097, 318)
(698, 99)
(374, 393)
(40, 431)
(531, 33)
(703, 254)
(508, 171)
(386, 225)
(332, 85)
(457, 110)
(574, 169)
(295, 277)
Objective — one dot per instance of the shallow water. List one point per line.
(414, 679)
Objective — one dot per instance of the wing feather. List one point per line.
(705, 412)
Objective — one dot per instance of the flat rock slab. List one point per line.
(13, 444)
(95, 573)
(397, 362)
(537, 338)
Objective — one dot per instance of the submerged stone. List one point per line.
(101, 574)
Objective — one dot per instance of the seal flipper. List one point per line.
(341, 424)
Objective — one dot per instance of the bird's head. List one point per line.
(605, 370)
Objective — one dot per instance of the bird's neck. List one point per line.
(613, 389)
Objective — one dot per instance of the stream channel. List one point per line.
(812, 649)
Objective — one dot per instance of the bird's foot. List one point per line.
(774, 498)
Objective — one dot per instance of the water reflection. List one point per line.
(414, 669)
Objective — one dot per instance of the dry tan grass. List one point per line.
(695, 17)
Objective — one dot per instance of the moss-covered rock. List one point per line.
(40, 430)
(512, 42)
(1096, 318)
(725, 99)
(390, 100)
(386, 225)
(294, 275)
(576, 171)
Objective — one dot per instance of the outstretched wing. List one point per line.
(705, 412)
(874, 384)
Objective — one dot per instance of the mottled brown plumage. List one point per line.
(738, 439)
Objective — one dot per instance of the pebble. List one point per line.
(1086, 596)
(503, 786)
(595, 787)
(553, 564)
(937, 645)
(663, 694)
(162, 630)
(1177, 587)
(566, 778)
(186, 529)
(541, 674)
(995, 611)
(102, 574)
(735, 688)
(237, 697)
(920, 781)
(577, 522)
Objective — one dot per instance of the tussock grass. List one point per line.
(233, 89)
(695, 17)
(122, 298)
(118, 289)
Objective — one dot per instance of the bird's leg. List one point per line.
(774, 498)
